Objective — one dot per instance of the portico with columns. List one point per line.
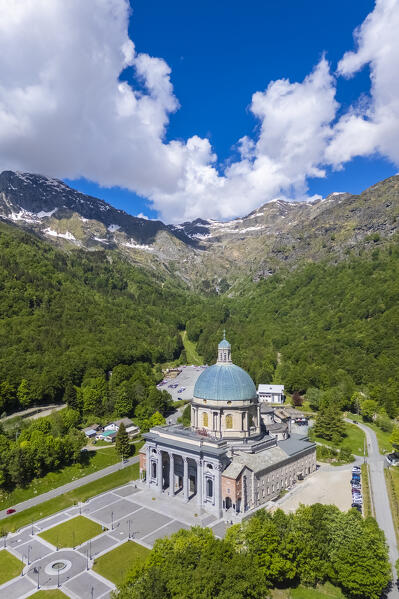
(184, 465)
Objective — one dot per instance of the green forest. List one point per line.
(70, 318)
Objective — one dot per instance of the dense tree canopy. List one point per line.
(316, 544)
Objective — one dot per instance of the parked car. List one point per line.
(10, 510)
(392, 459)
(356, 469)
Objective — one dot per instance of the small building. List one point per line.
(271, 394)
(114, 426)
(108, 436)
(90, 432)
(133, 431)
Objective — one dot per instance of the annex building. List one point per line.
(227, 460)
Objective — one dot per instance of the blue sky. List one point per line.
(201, 76)
(221, 52)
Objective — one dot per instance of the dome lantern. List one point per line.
(224, 351)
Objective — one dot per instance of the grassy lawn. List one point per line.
(53, 594)
(115, 564)
(93, 461)
(354, 440)
(382, 437)
(192, 356)
(325, 591)
(10, 566)
(392, 482)
(121, 477)
(367, 505)
(72, 533)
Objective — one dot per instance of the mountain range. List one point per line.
(206, 254)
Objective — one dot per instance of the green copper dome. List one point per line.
(224, 382)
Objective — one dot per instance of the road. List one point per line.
(380, 499)
(24, 505)
(36, 411)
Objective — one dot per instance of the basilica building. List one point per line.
(227, 460)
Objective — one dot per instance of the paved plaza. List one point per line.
(131, 511)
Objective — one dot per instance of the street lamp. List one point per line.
(23, 565)
(112, 520)
(29, 548)
(129, 527)
(58, 579)
(87, 558)
(31, 532)
(92, 592)
(37, 571)
(90, 547)
(5, 540)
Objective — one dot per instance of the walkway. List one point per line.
(24, 505)
(380, 499)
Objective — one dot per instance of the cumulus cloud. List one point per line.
(372, 126)
(65, 112)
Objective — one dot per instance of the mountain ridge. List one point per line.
(206, 254)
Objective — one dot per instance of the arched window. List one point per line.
(154, 470)
(229, 421)
(209, 488)
(204, 419)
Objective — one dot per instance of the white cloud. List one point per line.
(372, 126)
(64, 112)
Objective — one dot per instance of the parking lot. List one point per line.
(329, 485)
(183, 384)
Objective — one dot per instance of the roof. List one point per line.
(107, 433)
(224, 382)
(233, 470)
(266, 408)
(270, 388)
(224, 343)
(295, 443)
(276, 427)
(126, 422)
(89, 431)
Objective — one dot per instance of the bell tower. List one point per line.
(224, 351)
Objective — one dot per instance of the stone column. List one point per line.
(159, 471)
(147, 466)
(171, 474)
(185, 479)
(199, 482)
(220, 424)
(258, 423)
(196, 417)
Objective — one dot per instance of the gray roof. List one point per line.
(295, 444)
(276, 427)
(233, 470)
(126, 422)
(266, 408)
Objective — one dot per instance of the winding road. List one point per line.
(380, 499)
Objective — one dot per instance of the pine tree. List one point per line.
(122, 442)
(329, 424)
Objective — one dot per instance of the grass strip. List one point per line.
(115, 564)
(192, 355)
(366, 492)
(72, 533)
(10, 566)
(392, 482)
(116, 479)
(52, 594)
